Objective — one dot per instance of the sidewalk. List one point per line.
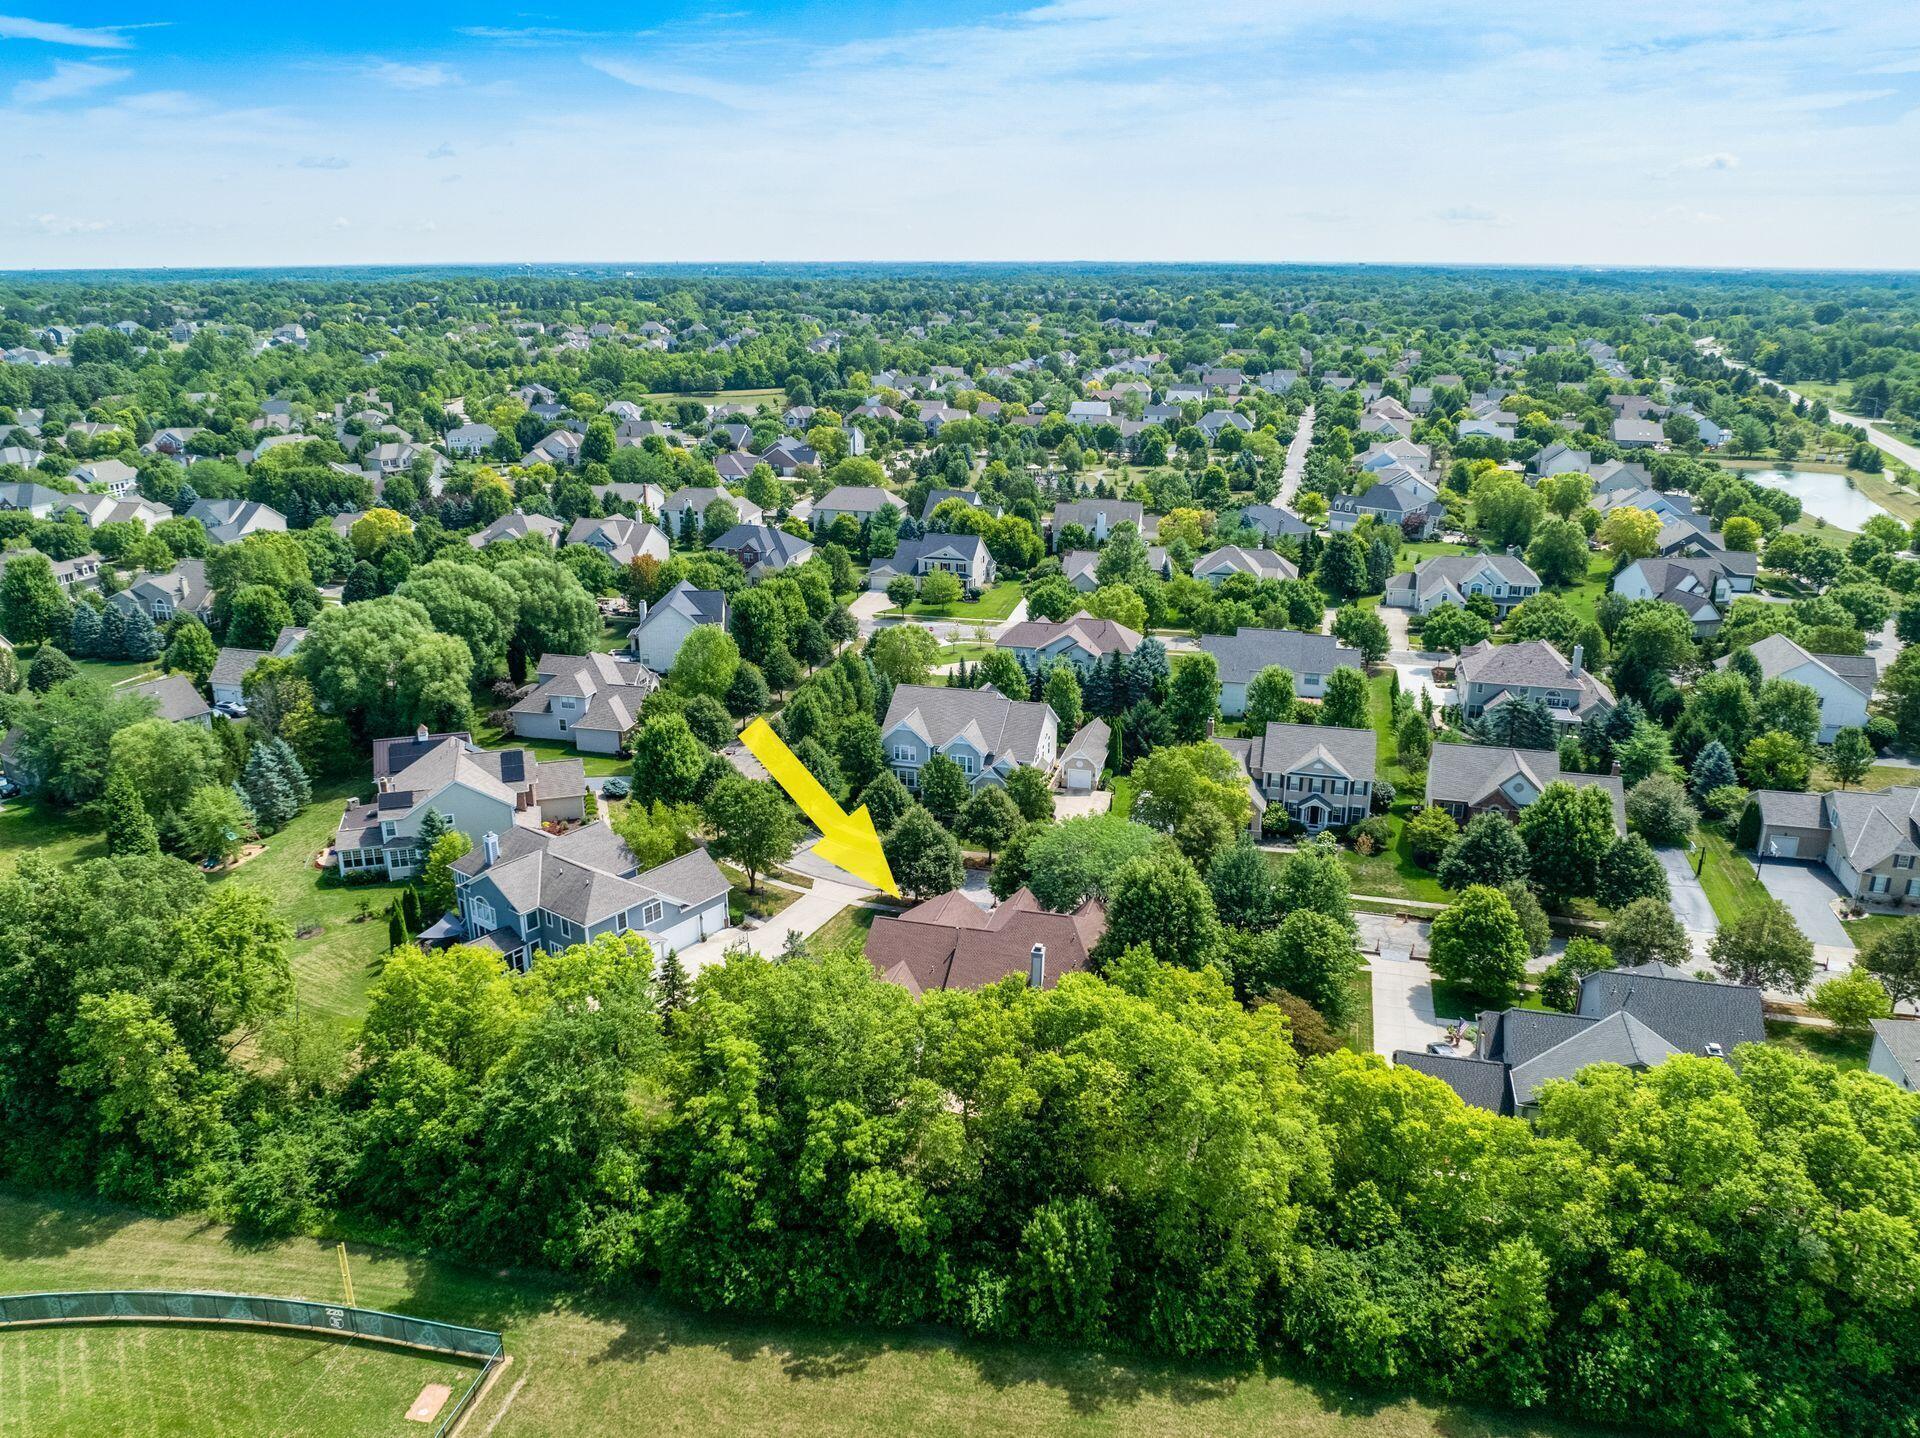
(833, 890)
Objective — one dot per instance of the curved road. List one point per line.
(1887, 444)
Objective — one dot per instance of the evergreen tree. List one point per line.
(675, 984)
(1712, 769)
(113, 633)
(83, 632)
(266, 788)
(432, 827)
(142, 640)
(130, 828)
(396, 926)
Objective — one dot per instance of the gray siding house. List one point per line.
(981, 730)
(1310, 658)
(523, 891)
(591, 701)
(1316, 776)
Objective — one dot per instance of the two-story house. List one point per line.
(762, 550)
(1313, 775)
(228, 521)
(1468, 779)
(181, 590)
(1404, 501)
(478, 791)
(1844, 682)
(1310, 658)
(1454, 578)
(694, 500)
(591, 701)
(1490, 674)
(1869, 840)
(987, 734)
(516, 525)
(227, 682)
(523, 891)
(858, 502)
(1082, 640)
(1702, 587)
(964, 556)
(1098, 517)
(656, 639)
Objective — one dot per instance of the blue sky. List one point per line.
(1778, 132)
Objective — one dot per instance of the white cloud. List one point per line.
(323, 162)
(67, 225)
(669, 81)
(341, 222)
(14, 27)
(1470, 215)
(1719, 160)
(70, 80)
(442, 151)
(421, 75)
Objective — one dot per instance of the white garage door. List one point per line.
(1783, 846)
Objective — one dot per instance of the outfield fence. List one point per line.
(24, 1310)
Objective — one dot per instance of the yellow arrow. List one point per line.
(848, 841)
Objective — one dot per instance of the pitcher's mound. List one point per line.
(428, 1405)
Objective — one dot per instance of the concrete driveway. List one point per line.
(1403, 1014)
(1075, 806)
(1808, 891)
(1296, 463)
(1690, 903)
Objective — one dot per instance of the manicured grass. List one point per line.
(1357, 1033)
(490, 736)
(591, 1364)
(764, 903)
(752, 398)
(1727, 877)
(971, 651)
(991, 607)
(1880, 776)
(1826, 1045)
(336, 962)
(116, 671)
(1392, 873)
(851, 923)
(211, 1382)
(63, 835)
(1868, 927)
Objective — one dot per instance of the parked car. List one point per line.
(232, 711)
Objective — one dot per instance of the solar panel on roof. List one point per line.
(513, 766)
(396, 799)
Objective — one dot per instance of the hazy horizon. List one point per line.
(1433, 134)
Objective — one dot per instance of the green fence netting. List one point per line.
(27, 1309)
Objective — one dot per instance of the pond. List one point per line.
(1826, 496)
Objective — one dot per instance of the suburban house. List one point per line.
(981, 730)
(695, 499)
(1844, 682)
(1631, 433)
(1490, 674)
(655, 641)
(1896, 1051)
(476, 790)
(228, 521)
(1082, 640)
(1416, 459)
(1869, 840)
(1407, 502)
(470, 441)
(591, 701)
(950, 942)
(232, 667)
(515, 525)
(26, 497)
(1317, 776)
(561, 449)
(649, 497)
(1469, 779)
(936, 497)
(762, 551)
(1081, 567)
(962, 555)
(1310, 658)
(1702, 587)
(1099, 517)
(175, 700)
(67, 573)
(1455, 578)
(99, 509)
(1275, 520)
(1232, 559)
(859, 502)
(621, 539)
(108, 476)
(523, 891)
(1638, 1018)
(181, 590)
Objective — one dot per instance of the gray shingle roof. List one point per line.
(1779, 655)
(1244, 654)
(1902, 1040)
(1687, 1013)
(1619, 1038)
(1287, 747)
(1001, 728)
(1470, 773)
(175, 697)
(1479, 1082)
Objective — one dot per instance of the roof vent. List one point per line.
(1715, 1051)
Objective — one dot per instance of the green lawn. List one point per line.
(336, 953)
(61, 835)
(1727, 877)
(1868, 927)
(599, 1364)
(1357, 1033)
(116, 671)
(752, 398)
(1825, 1045)
(489, 736)
(972, 652)
(990, 608)
(1880, 776)
(764, 903)
(851, 922)
(1392, 873)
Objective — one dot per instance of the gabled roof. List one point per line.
(1245, 653)
(1619, 1038)
(1479, 1082)
(1779, 655)
(1001, 729)
(1260, 563)
(1099, 637)
(857, 499)
(175, 697)
(1450, 571)
(1284, 748)
(950, 943)
(701, 606)
(587, 875)
(772, 545)
(1690, 1014)
(1901, 1038)
(1470, 774)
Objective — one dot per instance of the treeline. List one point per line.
(1132, 1161)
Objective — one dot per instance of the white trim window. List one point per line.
(483, 917)
(651, 913)
(1879, 883)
